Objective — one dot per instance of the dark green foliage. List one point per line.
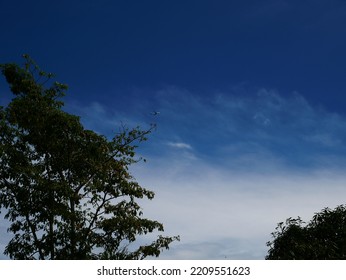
(323, 238)
(67, 191)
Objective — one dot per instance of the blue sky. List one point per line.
(251, 94)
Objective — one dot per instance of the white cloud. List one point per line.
(179, 145)
(220, 209)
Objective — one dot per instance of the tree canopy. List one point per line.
(323, 238)
(67, 191)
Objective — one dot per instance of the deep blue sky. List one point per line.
(198, 45)
(251, 95)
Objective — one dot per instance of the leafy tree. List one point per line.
(323, 238)
(67, 191)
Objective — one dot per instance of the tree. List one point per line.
(67, 191)
(323, 238)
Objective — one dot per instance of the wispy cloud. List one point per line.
(179, 145)
(262, 130)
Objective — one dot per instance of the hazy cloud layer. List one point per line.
(236, 212)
